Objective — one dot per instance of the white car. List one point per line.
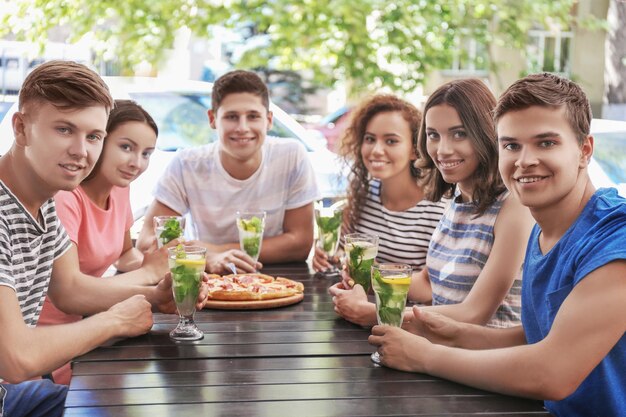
(180, 111)
(608, 165)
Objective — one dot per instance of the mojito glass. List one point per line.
(168, 228)
(328, 220)
(250, 225)
(187, 265)
(361, 250)
(390, 283)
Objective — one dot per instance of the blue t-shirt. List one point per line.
(596, 238)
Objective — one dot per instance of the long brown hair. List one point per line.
(474, 103)
(124, 111)
(352, 141)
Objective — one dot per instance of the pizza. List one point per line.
(251, 287)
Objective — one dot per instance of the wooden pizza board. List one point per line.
(254, 305)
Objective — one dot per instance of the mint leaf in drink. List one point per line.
(254, 224)
(389, 315)
(356, 255)
(251, 246)
(171, 231)
(329, 224)
(329, 240)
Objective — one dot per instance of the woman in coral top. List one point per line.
(98, 217)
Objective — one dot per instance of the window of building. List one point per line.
(549, 51)
(470, 57)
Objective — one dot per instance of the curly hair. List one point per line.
(352, 141)
(474, 102)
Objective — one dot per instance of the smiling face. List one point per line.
(61, 146)
(242, 122)
(450, 148)
(387, 147)
(127, 152)
(541, 161)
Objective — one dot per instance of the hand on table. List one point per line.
(399, 349)
(134, 316)
(352, 304)
(218, 263)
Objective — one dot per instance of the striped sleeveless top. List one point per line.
(403, 236)
(459, 250)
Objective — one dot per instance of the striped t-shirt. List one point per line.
(28, 250)
(459, 250)
(403, 236)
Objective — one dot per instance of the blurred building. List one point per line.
(576, 53)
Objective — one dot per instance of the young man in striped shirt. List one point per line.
(59, 127)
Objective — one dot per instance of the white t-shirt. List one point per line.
(196, 184)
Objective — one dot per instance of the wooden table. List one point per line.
(297, 360)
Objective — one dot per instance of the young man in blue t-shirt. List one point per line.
(571, 349)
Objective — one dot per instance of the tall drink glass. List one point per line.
(168, 228)
(328, 221)
(187, 266)
(361, 250)
(251, 224)
(391, 285)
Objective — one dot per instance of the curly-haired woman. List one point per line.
(475, 255)
(385, 196)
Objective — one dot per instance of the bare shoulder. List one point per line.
(514, 217)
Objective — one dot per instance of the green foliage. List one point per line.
(186, 282)
(171, 231)
(370, 43)
(251, 246)
(329, 224)
(356, 256)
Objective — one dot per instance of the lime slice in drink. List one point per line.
(194, 263)
(397, 280)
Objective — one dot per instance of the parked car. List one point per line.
(333, 126)
(180, 111)
(608, 165)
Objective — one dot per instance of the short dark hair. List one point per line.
(474, 102)
(124, 111)
(548, 90)
(65, 85)
(352, 141)
(239, 81)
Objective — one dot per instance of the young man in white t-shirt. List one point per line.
(243, 170)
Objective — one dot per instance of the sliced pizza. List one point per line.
(251, 287)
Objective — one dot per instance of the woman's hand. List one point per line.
(321, 262)
(352, 304)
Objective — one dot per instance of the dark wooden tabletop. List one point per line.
(295, 360)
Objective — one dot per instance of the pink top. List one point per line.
(97, 233)
(99, 236)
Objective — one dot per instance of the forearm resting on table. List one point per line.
(474, 336)
(38, 350)
(87, 295)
